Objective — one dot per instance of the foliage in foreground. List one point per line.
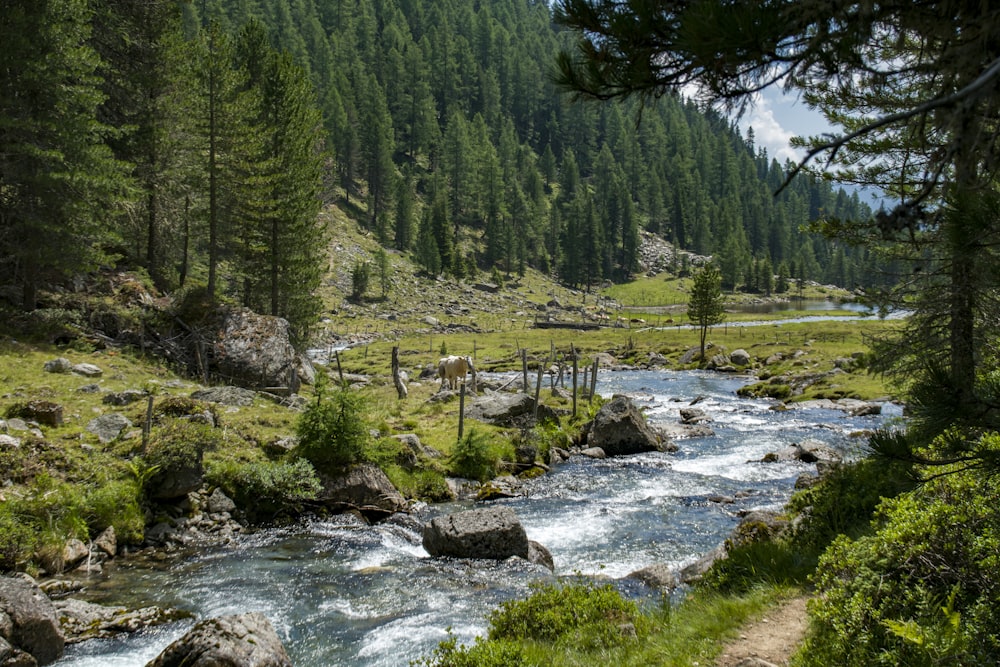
(584, 623)
(264, 489)
(922, 589)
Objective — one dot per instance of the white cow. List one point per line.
(452, 370)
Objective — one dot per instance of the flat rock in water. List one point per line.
(81, 620)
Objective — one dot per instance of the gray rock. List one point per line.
(540, 555)
(108, 427)
(245, 640)
(235, 396)
(696, 570)
(620, 429)
(34, 624)
(87, 370)
(220, 502)
(81, 620)
(412, 442)
(740, 357)
(9, 442)
(177, 482)
(107, 542)
(658, 576)
(92, 388)
(492, 532)
(255, 351)
(694, 416)
(58, 365)
(594, 453)
(73, 553)
(364, 487)
(11, 656)
(120, 398)
(430, 320)
(501, 408)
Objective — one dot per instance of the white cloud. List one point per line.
(768, 131)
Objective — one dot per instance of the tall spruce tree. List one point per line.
(58, 178)
(706, 306)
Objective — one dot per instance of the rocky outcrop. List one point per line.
(254, 350)
(620, 429)
(364, 487)
(244, 640)
(28, 621)
(490, 533)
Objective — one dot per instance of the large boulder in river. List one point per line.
(244, 640)
(254, 350)
(28, 621)
(620, 429)
(364, 487)
(490, 532)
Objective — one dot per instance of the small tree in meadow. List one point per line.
(705, 308)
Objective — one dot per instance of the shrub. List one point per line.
(265, 490)
(117, 504)
(332, 430)
(920, 590)
(473, 458)
(180, 444)
(17, 539)
(581, 614)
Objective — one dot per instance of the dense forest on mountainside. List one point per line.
(199, 139)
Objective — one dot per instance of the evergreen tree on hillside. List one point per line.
(58, 179)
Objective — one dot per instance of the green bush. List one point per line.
(332, 430)
(180, 443)
(265, 490)
(473, 458)
(844, 502)
(922, 589)
(117, 504)
(578, 616)
(582, 614)
(17, 539)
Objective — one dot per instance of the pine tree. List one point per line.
(58, 179)
(705, 307)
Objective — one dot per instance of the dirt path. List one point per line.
(772, 638)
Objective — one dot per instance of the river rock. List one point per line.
(220, 502)
(31, 619)
(807, 451)
(363, 487)
(594, 453)
(694, 416)
(9, 442)
(108, 427)
(696, 570)
(81, 620)
(73, 553)
(620, 429)
(254, 350)
(540, 555)
(107, 542)
(244, 640)
(491, 532)
(658, 576)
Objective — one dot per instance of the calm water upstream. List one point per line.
(340, 593)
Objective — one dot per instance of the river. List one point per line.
(341, 593)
